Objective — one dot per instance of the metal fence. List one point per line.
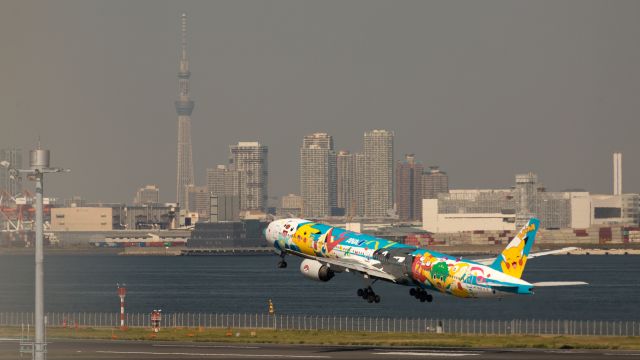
(334, 323)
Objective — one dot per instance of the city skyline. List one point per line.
(483, 96)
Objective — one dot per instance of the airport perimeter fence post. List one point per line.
(326, 323)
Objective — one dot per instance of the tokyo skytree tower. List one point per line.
(184, 107)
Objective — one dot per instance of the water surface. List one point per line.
(241, 284)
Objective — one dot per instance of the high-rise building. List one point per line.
(291, 201)
(290, 206)
(345, 183)
(222, 180)
(149, 194)
(184, 107)
(250, 159)
(200, 201)
(434, 182)
(617, 173)
(317, 175)
(14, 157)
(378, 151)
(409, 188)
(359, 184)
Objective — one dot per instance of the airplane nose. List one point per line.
(270, 232)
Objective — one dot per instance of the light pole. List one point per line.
(39, 165)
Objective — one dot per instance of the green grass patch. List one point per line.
(341, 338)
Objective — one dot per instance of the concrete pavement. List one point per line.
(93, 349)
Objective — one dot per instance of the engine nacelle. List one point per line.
(315, 270)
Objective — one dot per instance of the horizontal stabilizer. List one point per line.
(565, 250)
(558, 283)
(552, 252)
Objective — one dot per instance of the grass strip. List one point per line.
(341, 338)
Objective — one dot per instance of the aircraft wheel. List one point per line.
(360, 292)
(429, 298)
(422, 299)
(365, 294)
(412, 292)
(377, 299)
(282, 264)
(370, 298)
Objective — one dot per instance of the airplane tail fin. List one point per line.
(513, 258)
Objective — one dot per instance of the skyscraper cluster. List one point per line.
(245, 179)
(332, 183)
(243, 182)
(414, 183)
(342, 183)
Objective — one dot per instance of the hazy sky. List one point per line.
(485, 89)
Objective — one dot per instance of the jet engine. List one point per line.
(315, 270)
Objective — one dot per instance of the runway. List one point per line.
(92, 349)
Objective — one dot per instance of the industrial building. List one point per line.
(224, 208)
(82, 219)
(467, 210)
(615, 209)
(506, 209)
(228, 234)
(101, 217)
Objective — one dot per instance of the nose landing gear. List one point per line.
(282, 264)
(421, 295)
(369, 295)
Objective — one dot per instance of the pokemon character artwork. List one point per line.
(328, 250)
(514, 257)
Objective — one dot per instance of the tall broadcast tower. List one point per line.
(184, 107)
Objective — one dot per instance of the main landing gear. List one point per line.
(282, 264)
(368, 294)
(421, 295)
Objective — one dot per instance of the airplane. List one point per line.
(328, 250)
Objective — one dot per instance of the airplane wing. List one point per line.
(348, 265)
(530, 256)
(558, 283)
